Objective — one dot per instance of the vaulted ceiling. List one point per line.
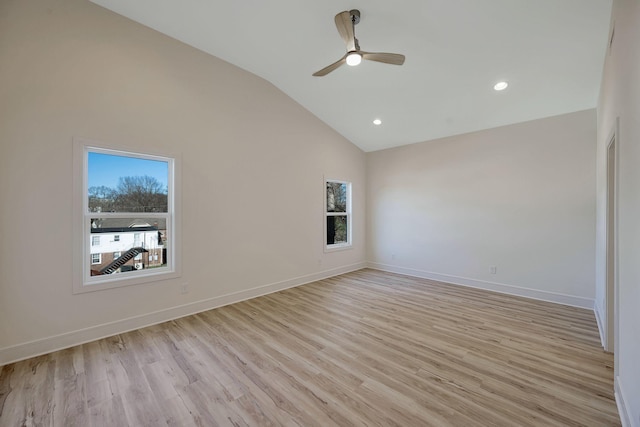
(551, 52)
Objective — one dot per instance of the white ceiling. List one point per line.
(550, 51)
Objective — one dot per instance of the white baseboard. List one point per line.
(623, 409)
(58, 342)
(601, 327)
(490, 286)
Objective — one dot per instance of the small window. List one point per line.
(129, 199)
(337, 214)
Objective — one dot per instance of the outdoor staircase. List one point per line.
(122, 260)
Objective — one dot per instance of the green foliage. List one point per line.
(340, 229)
(336, 197)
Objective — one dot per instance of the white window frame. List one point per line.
(95, 240)
(99, 259)
(83, 281)
(349, 243)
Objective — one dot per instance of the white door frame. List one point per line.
(611, 245)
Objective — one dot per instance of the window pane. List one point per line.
(336, 197)
(141, 244)
(337, 229)
(126, 184)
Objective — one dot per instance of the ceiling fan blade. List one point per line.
(344, 24)
(326, 70)
(387, 58)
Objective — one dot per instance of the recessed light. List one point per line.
(501, 86)
(377, 122)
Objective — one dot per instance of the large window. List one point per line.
(337, 214)
(127, 215)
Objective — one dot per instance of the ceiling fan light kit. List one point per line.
(353, 59)
(345, 23)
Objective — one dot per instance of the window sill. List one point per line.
(338, 247)
(118, 282)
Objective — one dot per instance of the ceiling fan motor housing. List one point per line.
(355, 16)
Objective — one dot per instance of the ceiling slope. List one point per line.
(550, 51)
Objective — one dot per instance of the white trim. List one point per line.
(337, 247)
(623, 411)
(601, 325)
(82, 281)
(349, 243)
(38, 347)
(555, 297)
(611, 244)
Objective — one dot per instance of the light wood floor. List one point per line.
(365, 348)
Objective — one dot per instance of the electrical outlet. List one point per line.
(493, 269)
(184, 288)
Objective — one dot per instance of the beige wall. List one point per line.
(620, 99)
(253, 162)
(519, 197)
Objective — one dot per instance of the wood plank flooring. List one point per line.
(365, 348)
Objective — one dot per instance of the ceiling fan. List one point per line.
(346, 22)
